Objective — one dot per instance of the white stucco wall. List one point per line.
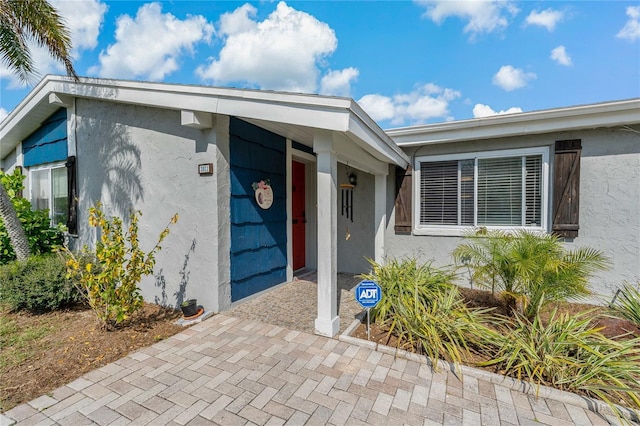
(609, 203)
(10, 161)
(356, 238)
(142, 158)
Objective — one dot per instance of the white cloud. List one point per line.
(238, 21)
(283, 52)
(151, 44)
(83, 19)
(483, 16)
(547, 18)
(510, 78)
(426, 102)
(481, 110)
(559, 54)
(631, 29)
(380, 108)
(3, 113)
(338, 83)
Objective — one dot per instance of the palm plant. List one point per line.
(530, 269)
(20, 22)
(568, 353)
(423, 308)
(627, 303)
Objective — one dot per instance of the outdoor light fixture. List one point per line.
(353, 179)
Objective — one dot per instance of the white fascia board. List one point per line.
(381, 146)
(25, 118)
(330, 113)
(286, 113)
(356, 157)
(313, 111)
(307, 110)
(562, 119)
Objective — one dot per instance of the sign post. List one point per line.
(368, 294)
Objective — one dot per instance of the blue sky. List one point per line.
(405, 62)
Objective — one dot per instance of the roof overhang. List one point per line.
(608, 114)
(291, 115)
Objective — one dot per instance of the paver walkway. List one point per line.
(233, 371)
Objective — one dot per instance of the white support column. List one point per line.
(289, 214)
(328, 322)
(72, 145)
(380, 220)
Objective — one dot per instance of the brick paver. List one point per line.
(231, 371)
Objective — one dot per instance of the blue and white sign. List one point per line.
(368, 293)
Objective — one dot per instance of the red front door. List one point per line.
(298, 218)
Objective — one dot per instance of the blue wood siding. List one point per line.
(258, 237)
(49, 143)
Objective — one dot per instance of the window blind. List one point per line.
(439, 193)
(533, 190)
(500, 191)
(496, 191)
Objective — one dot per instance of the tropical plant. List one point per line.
(33, 20)
(530, 269)
(567, 352)
(41, 237)
(627, 303)
(20, 22)
(109, 277)
(422, 307)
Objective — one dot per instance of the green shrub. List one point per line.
(627, 304)
(109, 277)
(531, 269)
(566, 352)
(423, 308)
(36, 224)
(37, 285)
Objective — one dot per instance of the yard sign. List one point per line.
(368, 294)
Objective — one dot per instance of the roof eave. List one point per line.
(607, 114)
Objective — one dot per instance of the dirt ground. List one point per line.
(72, 345)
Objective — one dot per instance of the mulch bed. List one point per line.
(75, 346)
(611, 327)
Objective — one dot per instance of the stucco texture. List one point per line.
(609, 203)
(132, 157)
(356, 238)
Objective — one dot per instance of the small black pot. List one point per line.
(189, 308)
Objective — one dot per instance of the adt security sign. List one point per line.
(368, 293)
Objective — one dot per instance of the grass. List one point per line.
(20, 343)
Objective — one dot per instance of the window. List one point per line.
(502, 189)
(49, 190)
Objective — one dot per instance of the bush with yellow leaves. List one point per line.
(109, 277)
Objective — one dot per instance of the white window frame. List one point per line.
(450, 230)
(49, 167)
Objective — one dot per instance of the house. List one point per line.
(571, 171)
(268, 183)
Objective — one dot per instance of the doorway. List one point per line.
(298, 215)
